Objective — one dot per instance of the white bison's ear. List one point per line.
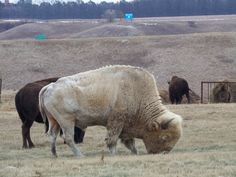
(153, 126)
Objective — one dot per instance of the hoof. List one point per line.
(54, 156)
(31, 146)
(24, 147)
(112, 151)
(80, 156)
(134, 151)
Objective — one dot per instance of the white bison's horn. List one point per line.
(164, 125)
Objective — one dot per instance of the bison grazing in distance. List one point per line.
(221, 93)
(164, 94)
(177, 88)
(124, 99)
(26, 102)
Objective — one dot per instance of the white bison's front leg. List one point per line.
(114, 127)
(130, 144)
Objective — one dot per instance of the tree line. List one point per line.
(140, 8)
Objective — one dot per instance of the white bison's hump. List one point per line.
(110, 79)
(113, 69)
(109, 72)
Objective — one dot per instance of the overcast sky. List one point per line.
(39, 1)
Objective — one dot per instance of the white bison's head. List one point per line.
(163, 133)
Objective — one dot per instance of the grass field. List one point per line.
(207, 148)
(164, 46)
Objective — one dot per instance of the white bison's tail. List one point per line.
(42, 107)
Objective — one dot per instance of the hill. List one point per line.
(58, 29)
(198, 48)
(196, 57)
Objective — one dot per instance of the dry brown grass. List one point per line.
(207, 148)
(194, 57)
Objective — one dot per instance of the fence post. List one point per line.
(201, 92)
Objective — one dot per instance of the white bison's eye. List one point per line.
(164, 138)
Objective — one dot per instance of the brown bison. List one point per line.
(26, 102)
(177, 88)
(124, 99)
(221, 93)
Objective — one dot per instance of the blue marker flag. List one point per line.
(129, 16)
(40, 36)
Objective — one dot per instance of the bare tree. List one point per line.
(110, 15)
(119, 14)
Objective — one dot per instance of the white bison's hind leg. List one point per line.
(114, 128)
(53, 131)
(68, 135)
(130, 144)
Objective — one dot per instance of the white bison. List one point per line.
(124, 99)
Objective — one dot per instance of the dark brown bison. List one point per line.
(177, 88)
(26, 102)
(195, 98)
